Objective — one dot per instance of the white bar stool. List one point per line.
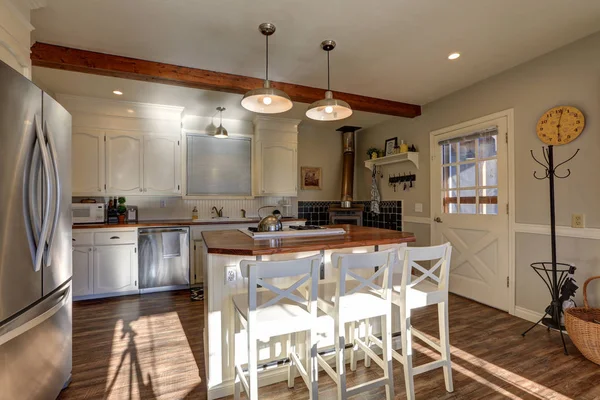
(272, 311)
(411, 292)
(354, 300)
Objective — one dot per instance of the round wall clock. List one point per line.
(560, 125)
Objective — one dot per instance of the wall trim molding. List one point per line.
(563, 231)
(526, 314)
(416, 220)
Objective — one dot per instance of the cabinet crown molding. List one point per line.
(279, 124)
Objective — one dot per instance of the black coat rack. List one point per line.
(553, 274)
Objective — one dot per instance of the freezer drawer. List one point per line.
(35, 349)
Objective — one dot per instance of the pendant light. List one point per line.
(267, 100)
(221, 132)
(328, 109)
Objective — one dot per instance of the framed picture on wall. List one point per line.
(310, 178)
(389, 146)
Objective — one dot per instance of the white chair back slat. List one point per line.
(437, 274)
(382, 261)
(306, 269)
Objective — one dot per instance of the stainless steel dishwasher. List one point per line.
(164, 259)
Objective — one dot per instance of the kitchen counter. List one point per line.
(233, 242)
(183, 222)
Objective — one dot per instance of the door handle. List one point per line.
(41, 246)
(438, 220)
(56, 195)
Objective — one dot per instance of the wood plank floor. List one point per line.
(150, 347)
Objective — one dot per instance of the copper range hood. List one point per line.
(348, 140)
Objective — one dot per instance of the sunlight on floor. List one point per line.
(466, 364)
(137, 361)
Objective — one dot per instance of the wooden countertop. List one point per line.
(182, 222)
(233, 242)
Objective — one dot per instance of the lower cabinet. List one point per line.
(104, 269)
(83, 271)
(115, 269)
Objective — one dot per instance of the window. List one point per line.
(218, 166)
(469, 173)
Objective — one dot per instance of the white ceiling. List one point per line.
(391, 49)
(195, 101)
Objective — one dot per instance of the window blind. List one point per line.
(218, 166)
(487, 132)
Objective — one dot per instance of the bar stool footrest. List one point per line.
(429, 366)
(431, 343)
(363, 387)
(327, 368)
(370, 353)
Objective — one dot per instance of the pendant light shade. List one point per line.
(221, 132)
(328, 109)
(267, 100)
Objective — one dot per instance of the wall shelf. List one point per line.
(393, 159)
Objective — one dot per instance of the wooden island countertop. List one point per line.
(234, 242)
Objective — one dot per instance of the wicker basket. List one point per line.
(583, 331)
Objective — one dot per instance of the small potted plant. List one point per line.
(373, 152)
(121, 210)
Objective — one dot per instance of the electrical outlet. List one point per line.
(230, 274)
(163, 203)
(418, 207)
(577, 221)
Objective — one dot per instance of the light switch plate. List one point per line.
(577, 221)
(418, 207)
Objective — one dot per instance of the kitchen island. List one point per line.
(224, 249)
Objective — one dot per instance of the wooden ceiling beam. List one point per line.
(69, 59)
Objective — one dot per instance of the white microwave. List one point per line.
(88, 213)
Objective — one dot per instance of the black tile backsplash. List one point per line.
(389, 217)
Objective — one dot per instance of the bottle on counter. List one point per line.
(195, 213)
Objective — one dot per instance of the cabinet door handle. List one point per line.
(90, 249)
(74, 240)
(140, 189)
(115, 237)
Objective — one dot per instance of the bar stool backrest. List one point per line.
(414, 271)
(378, 283)
(305, 269)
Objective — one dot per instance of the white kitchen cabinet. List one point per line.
(88, 161)
(115, 269)
(124, 164)
(162, 165)
(278, 169)
(83, 271)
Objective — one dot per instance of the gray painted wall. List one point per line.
(567, 76)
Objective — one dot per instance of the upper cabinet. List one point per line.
(124, 163)
(15, 34)
(162, 165)
(276, 156)
(88, 161)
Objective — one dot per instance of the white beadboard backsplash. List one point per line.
(177, 208)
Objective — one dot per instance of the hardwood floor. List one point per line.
(150, 347)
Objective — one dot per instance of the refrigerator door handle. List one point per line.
(32, 323)
(41, 246)
(55, 195)
(30, 203)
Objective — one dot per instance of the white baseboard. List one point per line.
(524, 313)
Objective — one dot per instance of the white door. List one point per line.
(115, 269)
(469, 189)
(123, 163)
(87, 162)
(161, 165)
(83, 282)
(279, 169)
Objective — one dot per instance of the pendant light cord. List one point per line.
(328, 78)
(267, 62)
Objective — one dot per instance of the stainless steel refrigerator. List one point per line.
(35, 241)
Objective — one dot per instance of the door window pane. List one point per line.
(466, 150)
(467, 175)
(470, 174)
(449, 180)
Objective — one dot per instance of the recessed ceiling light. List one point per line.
(453, 56)
(130, 111)
(118, 92)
